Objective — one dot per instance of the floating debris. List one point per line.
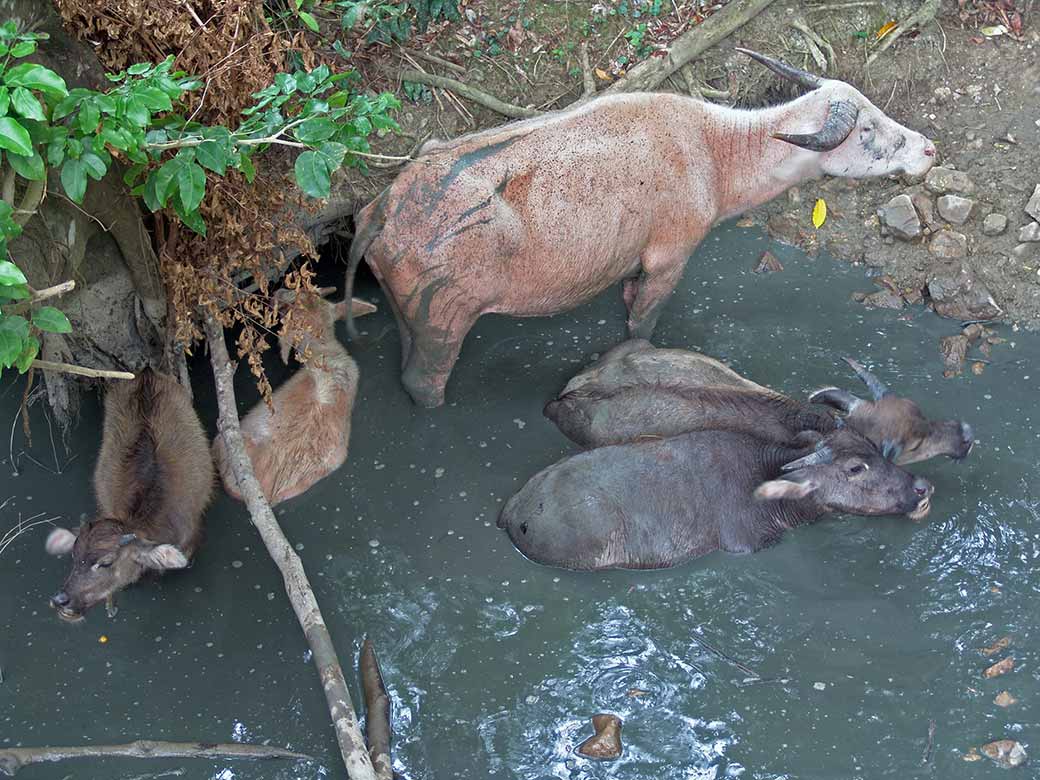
(996, 647)
(768, 263)
(606, 742)
(1004, 699)
(1005, 753)
(1000, 667)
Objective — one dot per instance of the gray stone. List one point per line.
(883, 299)
(955, 209)
(949, 244)
(1030, 232)
(1033, 206)
(943, 180)
(900, 217)
(961, 296)
(1025, 250)
(925, 207)
(994, 224)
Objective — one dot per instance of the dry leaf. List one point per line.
(885, 30)
(602, 74)
(971, 755)
(1005, 699)
(637, 692)
(819, 213)
(997, 29)
(1000, 667)
(1006, 753)
(997, 646)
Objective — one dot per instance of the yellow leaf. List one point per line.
(819, 213)
(602, 74)
(886, 28)
(989, 32)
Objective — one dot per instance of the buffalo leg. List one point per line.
(403, 330)
(661, 273)
(432, 358)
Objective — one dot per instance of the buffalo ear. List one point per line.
(60, 541)
(164, 556)
(784, 488)
(890, 450)
(842, 400)
(358, 308)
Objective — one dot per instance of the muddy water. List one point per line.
(824, 657)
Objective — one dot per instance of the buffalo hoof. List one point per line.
(606, 742)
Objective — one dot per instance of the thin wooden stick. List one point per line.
(377, 712)
(919, 18)
(471, 93)
(301, 596)
(435, 60)
(68, 368)
(13, 759)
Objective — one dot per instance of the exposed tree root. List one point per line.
(588, 77)
(650, 73)
(301, 596)
(13, 759)
(470, 93)
(68, 368)
(919, 18)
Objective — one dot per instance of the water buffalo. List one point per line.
(637, 391)
(655, 504)
(304, 438)
(538, 216)
(153, 479)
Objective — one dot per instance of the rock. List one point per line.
(1025, 250)
(949, 244)
(962, 297)
(953, 349)
(977, 368)
(943, 180)
(1030, 232)
(1000, 667)
(994, 224)
(1033, 206)
(973, 333)
(784, 228)
(955, 209)
(768, 263)
(883, 299)
(606, 742)
(923, 203)
(900, 217)
(1005, 753)
(1005, 699)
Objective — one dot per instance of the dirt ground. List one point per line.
(975, 95)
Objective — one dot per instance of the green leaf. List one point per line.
(5, 100)
(30, 349)
(246, 166)
(154, 98)
(191, 186)
(115, 136)
(210, 154)
(55, 153)
(149, 192)
(14, 292)
(51, 320)
(308, 20)
(132, 174)
(333, 154)
(137, 112)
(285, 82)
(13, 333)
(25, 103)
(164, 177)
(10, 274)
(74, 180)
(14, 137)
(34, 76)
(139, 68)
(195, 221)
(31, 168)
(312, 174)
(315, 130)
(94, 165)
(23, 49)
(89, 116)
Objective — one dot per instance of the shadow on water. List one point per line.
(861, 630)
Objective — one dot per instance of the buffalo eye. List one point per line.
(102, 565)
(858, 468)
(523, 528)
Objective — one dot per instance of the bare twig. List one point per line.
(588, 77)
(649, 73)
(68, 368)
(13, 759)
(470, 93)
(924, 14)
(433, 59)
(840, 6)
(931, 744)
(377, 712)
(40, 296)
(301, 596)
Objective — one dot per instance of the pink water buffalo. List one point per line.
(536, 217)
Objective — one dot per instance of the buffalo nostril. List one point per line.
(922, 487)
(967, 433)
(929, 152)
(60, 599)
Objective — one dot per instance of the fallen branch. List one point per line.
(920, 17)
(301, 596)
(588, 77)
(68, 368)
(13, 759)
(720, 25)
(435, 60)
(470, 93)
(377, 712)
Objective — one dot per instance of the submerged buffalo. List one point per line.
(637, 391)
(536, 217)
(656, 504)
(153, 479)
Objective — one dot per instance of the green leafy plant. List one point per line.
(390, 21)
(43, 124)
(636, 38)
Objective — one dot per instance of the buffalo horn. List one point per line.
(802, 77)
(842, 400)
(874, 385)
(820, 456)
(841, 118)
(125, 539)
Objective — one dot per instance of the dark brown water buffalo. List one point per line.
(539, 216)
(153, 479)
(656, 504)
(636, 391)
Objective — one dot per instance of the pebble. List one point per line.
(900, 217)
(953, 349)
(1004, 699)
(994, 224)
(949, 244)
(1030, 232)
(943, 180)
(962, 296)
(820, 686)
(373, 542)
(955, 209)
(768, 263)
(606, 742)
(1024, 250)
(1033, 206)
(1000, 667)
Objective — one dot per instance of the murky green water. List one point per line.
(865, 629)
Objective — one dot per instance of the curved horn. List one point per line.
(820, 456)
(841, 118)
(874, 385)
(842, 400)
(803, 77)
